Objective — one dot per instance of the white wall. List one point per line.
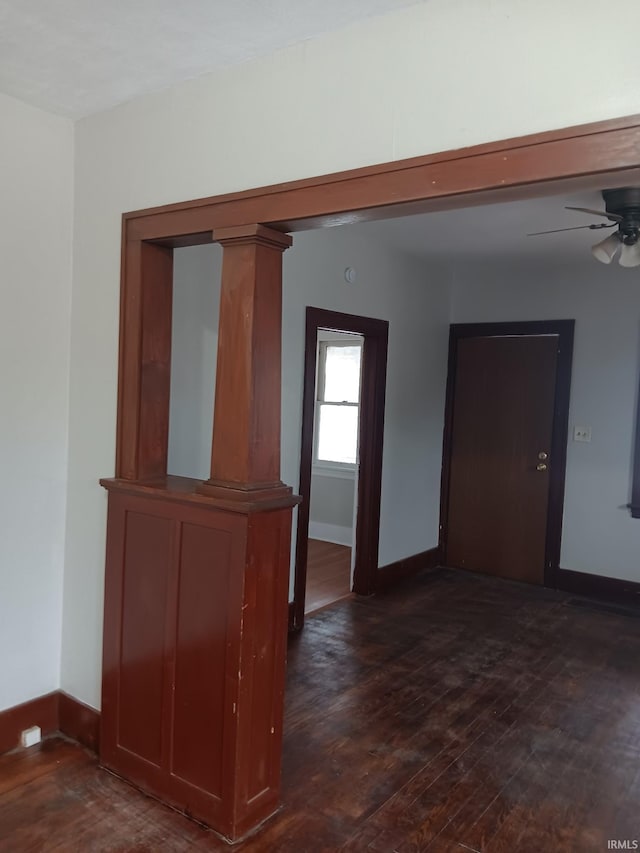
(431, 77)
(194, 354)
(599, 536)
(395, 288)
(36, 188)
(331, 506)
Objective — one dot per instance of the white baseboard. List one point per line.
(331, 533)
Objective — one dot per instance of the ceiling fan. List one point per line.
(622, 209)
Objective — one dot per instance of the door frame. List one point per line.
(564, 329)
(370, 439)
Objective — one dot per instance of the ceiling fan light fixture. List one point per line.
(606, 250)
(630, 255)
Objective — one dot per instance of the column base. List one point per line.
(253, 495)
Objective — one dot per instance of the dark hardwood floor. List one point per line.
(455, 713)
(328, 574)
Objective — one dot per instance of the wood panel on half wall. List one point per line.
(195, 632)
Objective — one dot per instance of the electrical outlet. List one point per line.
(30, 737)
(582, 433)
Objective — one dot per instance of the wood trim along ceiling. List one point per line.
(559, 161)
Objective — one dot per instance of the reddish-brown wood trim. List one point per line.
(188, 490)
(53, 712)
(145, 361)
(370, 441)
(245, 451)
(244, 572)
(128, 358)
(634, 506)
(598, 586)
(79, 722)
(608, 126)
(564, 329)
(42, 712)
(592, 155)
(394, 573)
(371, 430)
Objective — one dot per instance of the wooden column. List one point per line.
(245, 456)
(145, 361)
(197, 574)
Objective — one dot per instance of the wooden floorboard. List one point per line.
(455, 713)
(328, 574)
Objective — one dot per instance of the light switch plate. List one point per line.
(582, 433)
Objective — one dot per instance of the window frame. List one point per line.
(325, 466)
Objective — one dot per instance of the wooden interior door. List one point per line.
(500, 454)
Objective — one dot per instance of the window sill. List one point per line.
(338, 472)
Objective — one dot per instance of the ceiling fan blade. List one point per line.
(614, 217)
(575, 228)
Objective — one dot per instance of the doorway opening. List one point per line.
(334, 472)
(341, 459)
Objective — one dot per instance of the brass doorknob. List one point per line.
(541, 466)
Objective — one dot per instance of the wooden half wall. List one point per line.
(221, 547)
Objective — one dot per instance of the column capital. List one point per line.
(253, 235)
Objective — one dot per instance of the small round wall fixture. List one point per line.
(350, 275)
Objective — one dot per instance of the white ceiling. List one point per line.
(497, 231)
(77, 57)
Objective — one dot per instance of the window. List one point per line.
(337, 403)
